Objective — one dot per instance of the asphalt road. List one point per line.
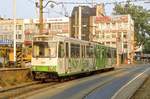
(100, 86)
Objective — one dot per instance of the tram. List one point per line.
(58, 56)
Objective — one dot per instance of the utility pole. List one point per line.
(117, 46)
(41, 17)
(14, 30)
(80, 23)
(76, 24)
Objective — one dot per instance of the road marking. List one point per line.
(114, 96)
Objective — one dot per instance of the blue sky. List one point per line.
(27, 9)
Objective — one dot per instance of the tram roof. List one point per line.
(64, 38)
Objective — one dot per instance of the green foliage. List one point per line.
(141, 19)
(146, 48)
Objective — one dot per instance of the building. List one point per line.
(58, 26)
(115, 31)
(109, 28)
(27, 28)
(52, 26)
(7, 28)
(80, 20)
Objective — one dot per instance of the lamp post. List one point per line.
(40, 6)
(41, 17)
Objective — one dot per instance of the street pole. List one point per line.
(14, 30)
(117, 46)
(41, 17)
(76, 24)
(79, 22)
(133, 52)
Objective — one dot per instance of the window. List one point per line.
(125, 45)
(107, 43)
(75, 50)
(124, 36)
(107, 35)
(61, 50)
(44, 49)
(52, 49)
(89, 51)
(83, 51)
(19, 36)
(67, 50)
(113, 43)
(113, 35)
(101, 35)
(19, 27)
(49, 26)
(109, 53)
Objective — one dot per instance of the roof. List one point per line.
(86, 11)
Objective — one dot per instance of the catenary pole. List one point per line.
(41, 17)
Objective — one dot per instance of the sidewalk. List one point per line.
(144, 91)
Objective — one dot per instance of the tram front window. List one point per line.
(44, 49)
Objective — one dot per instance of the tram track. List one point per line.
(19, 90)
(68, 83)
(81, 88)
(13, 92)
(31, 89)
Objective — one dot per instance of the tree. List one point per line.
(141, 19)
(146, 48)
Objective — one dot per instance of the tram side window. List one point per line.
(109, 53)
(89, 51)
(35, 51)
(52, 49)
(114, 52)
(75, 50)
(67, 50)
(61, 50)
(83, 51)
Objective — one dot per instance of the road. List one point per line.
(100, 86)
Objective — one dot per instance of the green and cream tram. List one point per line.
(63, 56)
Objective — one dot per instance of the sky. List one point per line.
(26, 8)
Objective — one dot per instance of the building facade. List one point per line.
(7, 28)
(80, 20)
(52, 26)
(110, 28)
(26, 28)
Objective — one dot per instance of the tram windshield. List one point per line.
(44, 49)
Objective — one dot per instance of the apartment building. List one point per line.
(27, 28)
(110, 28)
(52, 26)
(80, 20)
(6, 31)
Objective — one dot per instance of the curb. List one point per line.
(130, 88)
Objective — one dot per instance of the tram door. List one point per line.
(66, 58)
(63, 54)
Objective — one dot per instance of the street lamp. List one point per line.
(40, 6)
